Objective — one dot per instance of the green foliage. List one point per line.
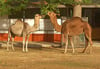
(52, 1)
(52, 5)
(68, 2)
(86, 1)
(96, 1)
(12, 5)
(72, 2)
(7, 6)
(49, 7)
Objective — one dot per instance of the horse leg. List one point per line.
(9, 36)
(66, 43)
(88, 39)
(23, 43)
(71, 41)
(27, 42)
(90, 47)
(86, 45)
(12, 44)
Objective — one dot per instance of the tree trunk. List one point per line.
(77, 11)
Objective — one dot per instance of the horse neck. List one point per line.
(55, 23)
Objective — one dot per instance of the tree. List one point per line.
(52, 4)
(6, 6)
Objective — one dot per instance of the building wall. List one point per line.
(35, 37)
(93, 15)
(45, 32)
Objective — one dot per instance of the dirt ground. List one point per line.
(49, 58)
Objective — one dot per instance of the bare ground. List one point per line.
(49, 58)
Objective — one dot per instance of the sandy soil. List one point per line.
(49, 58)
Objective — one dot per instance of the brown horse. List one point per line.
(22, 29)
(72, 27)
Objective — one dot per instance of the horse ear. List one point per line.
(54, 14)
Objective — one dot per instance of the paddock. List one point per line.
(43, 55)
